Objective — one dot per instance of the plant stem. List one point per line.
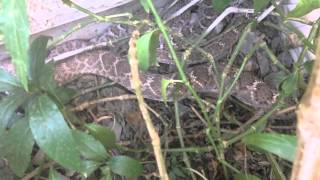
(136, 83)
(182, 75)
(178, 127)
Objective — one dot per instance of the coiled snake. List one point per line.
(107, 63)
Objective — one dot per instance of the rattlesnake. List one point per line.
(107, 63)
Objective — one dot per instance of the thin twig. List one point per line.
(136, 83)
(286, 110)
(37, 171)
(180, 136)
(97, 101)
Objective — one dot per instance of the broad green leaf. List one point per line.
(290, 84)
(41, 74)
(52, 133)
(89, 147)
(15, 28)
(125, 166)
(9, 105)
(145, 6)
(220, 5)
(259, 5)
(8, 82)
(54, 175)
(103, 134)
(304, 7)
(242, 176)
(17, 147)
(279, 144)
(147, 49)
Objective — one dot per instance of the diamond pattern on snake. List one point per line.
(114, 65)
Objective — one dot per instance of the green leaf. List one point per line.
(220, 5)
(304, 7)
(17, 146)
(164, 86)
(242, 176)
(145, 6)
(16, 36)
(259, 5)
(103, 134)
(279, 144)
(40, 73)
(8, 82)
(52, 133)
(9, 105)
(89, 147)
(125, 166)
(147, 49)
(54, 175)
(291, 84)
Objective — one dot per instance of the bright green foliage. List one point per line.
(14, 26)
(102, 134)
(282, 145)
(125, 166)
(48, 126)
(52, 134)
(304, 7)
(147, 50)
(145, 6)
(16, 146)
(89, 147)
(164, 85)
(41, 74)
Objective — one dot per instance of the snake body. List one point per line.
(105, 62)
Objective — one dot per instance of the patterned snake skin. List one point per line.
(108, 63)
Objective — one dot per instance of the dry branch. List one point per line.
(307, 162)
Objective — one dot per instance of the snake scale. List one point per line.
(107, 63)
